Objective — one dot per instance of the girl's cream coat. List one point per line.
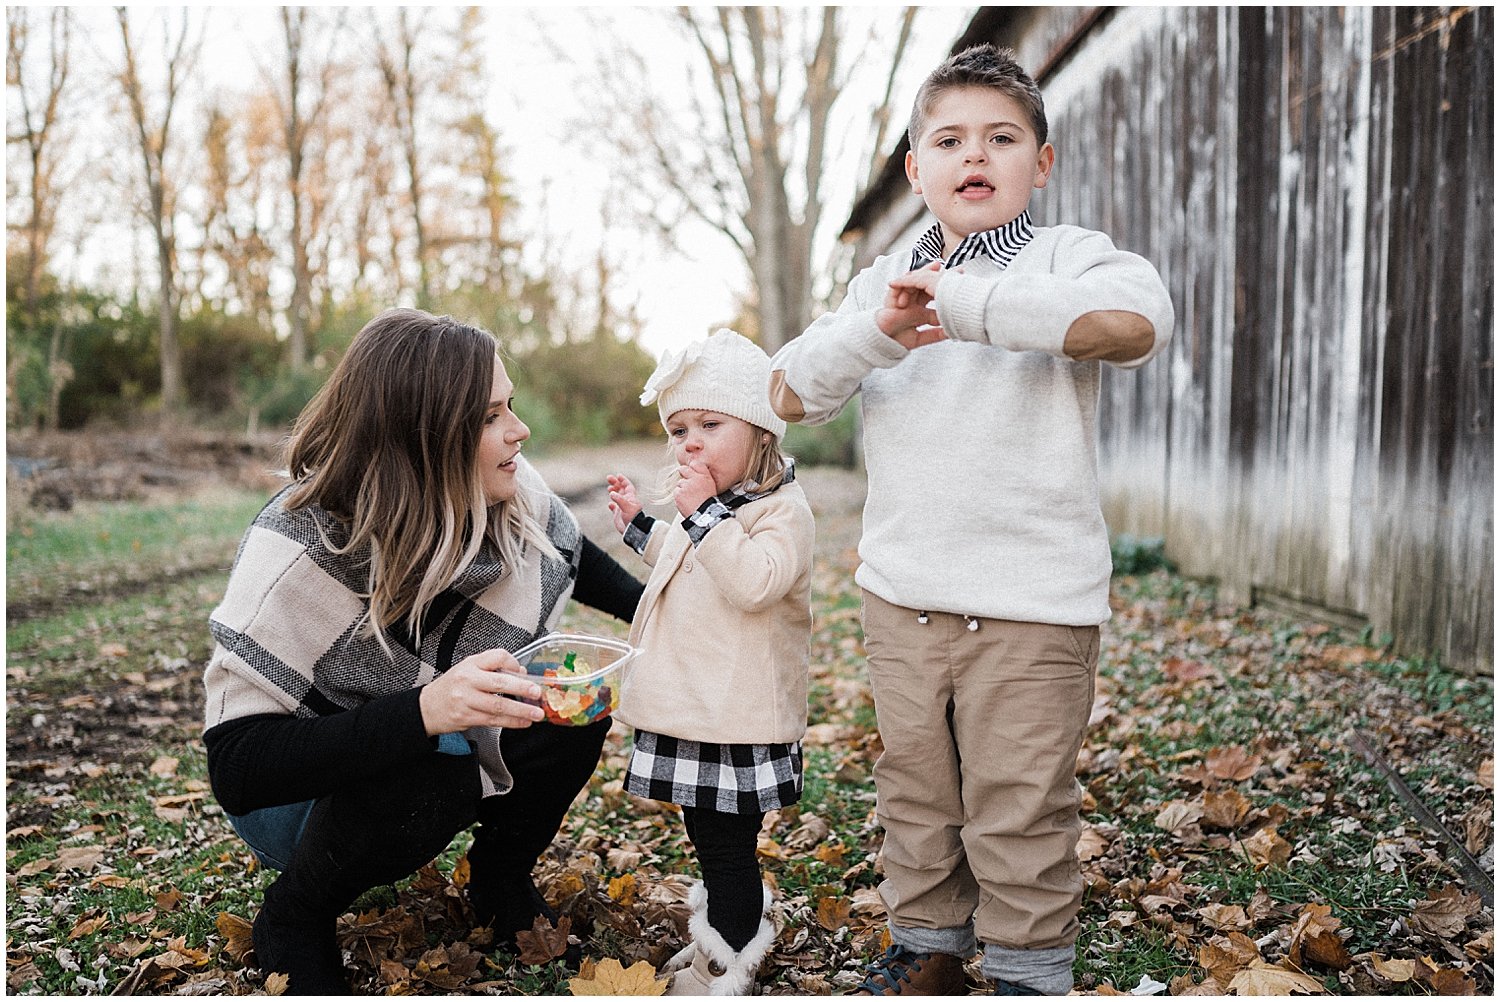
(724, 628)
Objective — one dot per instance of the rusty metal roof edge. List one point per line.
(986, 24)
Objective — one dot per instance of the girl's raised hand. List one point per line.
(623, 504)
(695, 487)
(482, 690)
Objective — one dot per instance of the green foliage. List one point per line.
(1139, 555)
(585, 392)
(831, 444)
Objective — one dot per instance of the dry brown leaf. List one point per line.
(276, 983)
(112, 649)
(168, 899)
(81, 857)
(1183, 985)
(808, 834)
(1225, 956)
(1261, 905)
(34, 867)
(1452, 981)
(1234, 764)
(1266, 848)
(1261, 978)
(165, 765)
(544, 942)
(1225, 809)
(1481, 946)
(1444, 913)
(24, 831)
(1225, 917)
(1396, 971)
(622, 888)
(460, 877)
(609, 978)
(1183, 670)
(868, 902)
(1092, 843)
(831, 853)
(1486, 775)
(236, 933)
(833, 912)
(88, 926)
(624, 859)
(1177, 815)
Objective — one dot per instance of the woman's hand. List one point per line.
(623, 504)
(479, 691)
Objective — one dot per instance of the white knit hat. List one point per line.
(725, 372)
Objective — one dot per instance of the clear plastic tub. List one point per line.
(580, 676)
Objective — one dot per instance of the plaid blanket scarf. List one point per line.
(286, 633)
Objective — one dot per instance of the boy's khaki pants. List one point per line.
(976, 787)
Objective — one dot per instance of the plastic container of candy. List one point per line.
(579, 675)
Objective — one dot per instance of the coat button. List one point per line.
(688, 566)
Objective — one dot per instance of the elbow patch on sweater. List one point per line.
(784, 400)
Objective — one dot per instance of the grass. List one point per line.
(107, 683)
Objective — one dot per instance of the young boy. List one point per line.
(985, 559)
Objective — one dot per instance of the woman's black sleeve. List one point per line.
(605, 585)
(270, 758)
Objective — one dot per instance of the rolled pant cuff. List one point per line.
(958, 941)
(1049, 971)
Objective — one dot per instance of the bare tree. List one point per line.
(33, 125)
(302, 102)
(406, 89)
(750, 159)
(153, 134)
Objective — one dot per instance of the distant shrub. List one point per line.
(1139, 555)
(831, 444)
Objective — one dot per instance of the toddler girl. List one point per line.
(718, 695)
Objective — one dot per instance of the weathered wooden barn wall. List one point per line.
(1315, 185)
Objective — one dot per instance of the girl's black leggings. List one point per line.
(725, 844)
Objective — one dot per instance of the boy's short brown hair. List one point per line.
(980, 66)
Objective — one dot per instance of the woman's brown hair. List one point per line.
(389, 446)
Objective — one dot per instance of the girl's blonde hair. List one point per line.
(765, 465)
(390, 447)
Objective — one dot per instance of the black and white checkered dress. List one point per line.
(732, 779)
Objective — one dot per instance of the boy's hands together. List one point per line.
(623, 504)
(695, 487)
(908, 306)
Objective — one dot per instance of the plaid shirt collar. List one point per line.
(1000, 245)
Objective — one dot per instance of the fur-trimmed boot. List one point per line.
(707, 966)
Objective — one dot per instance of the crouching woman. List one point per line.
(363, 706)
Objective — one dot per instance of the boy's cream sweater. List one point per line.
(983, 493)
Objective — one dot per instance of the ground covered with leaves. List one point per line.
(1271, 806)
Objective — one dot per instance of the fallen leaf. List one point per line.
(833, 912)
(1226, 809)
(544, 942)
(1233, 764)
(1261, 978)
(622, 888)
(1183, 670)
(1092, 843)
(1452, 981)
(88, 926)
(164, 765)
(1395, 971)
(1225, 917)
(1266, 848)
(236, 933)
(83, 857)
(276, 983)
(1177, 815)
(1486, 775)
(1481, 946)
(609, 978)
(1444, 913)
(34, 867)
(168, 899)
(1225, 956)
(623, 860)
(113, 649)
(24, 831)
(830, 853)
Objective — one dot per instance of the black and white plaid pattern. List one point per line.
(1000, 245)
(732, 779)
(709, 514)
